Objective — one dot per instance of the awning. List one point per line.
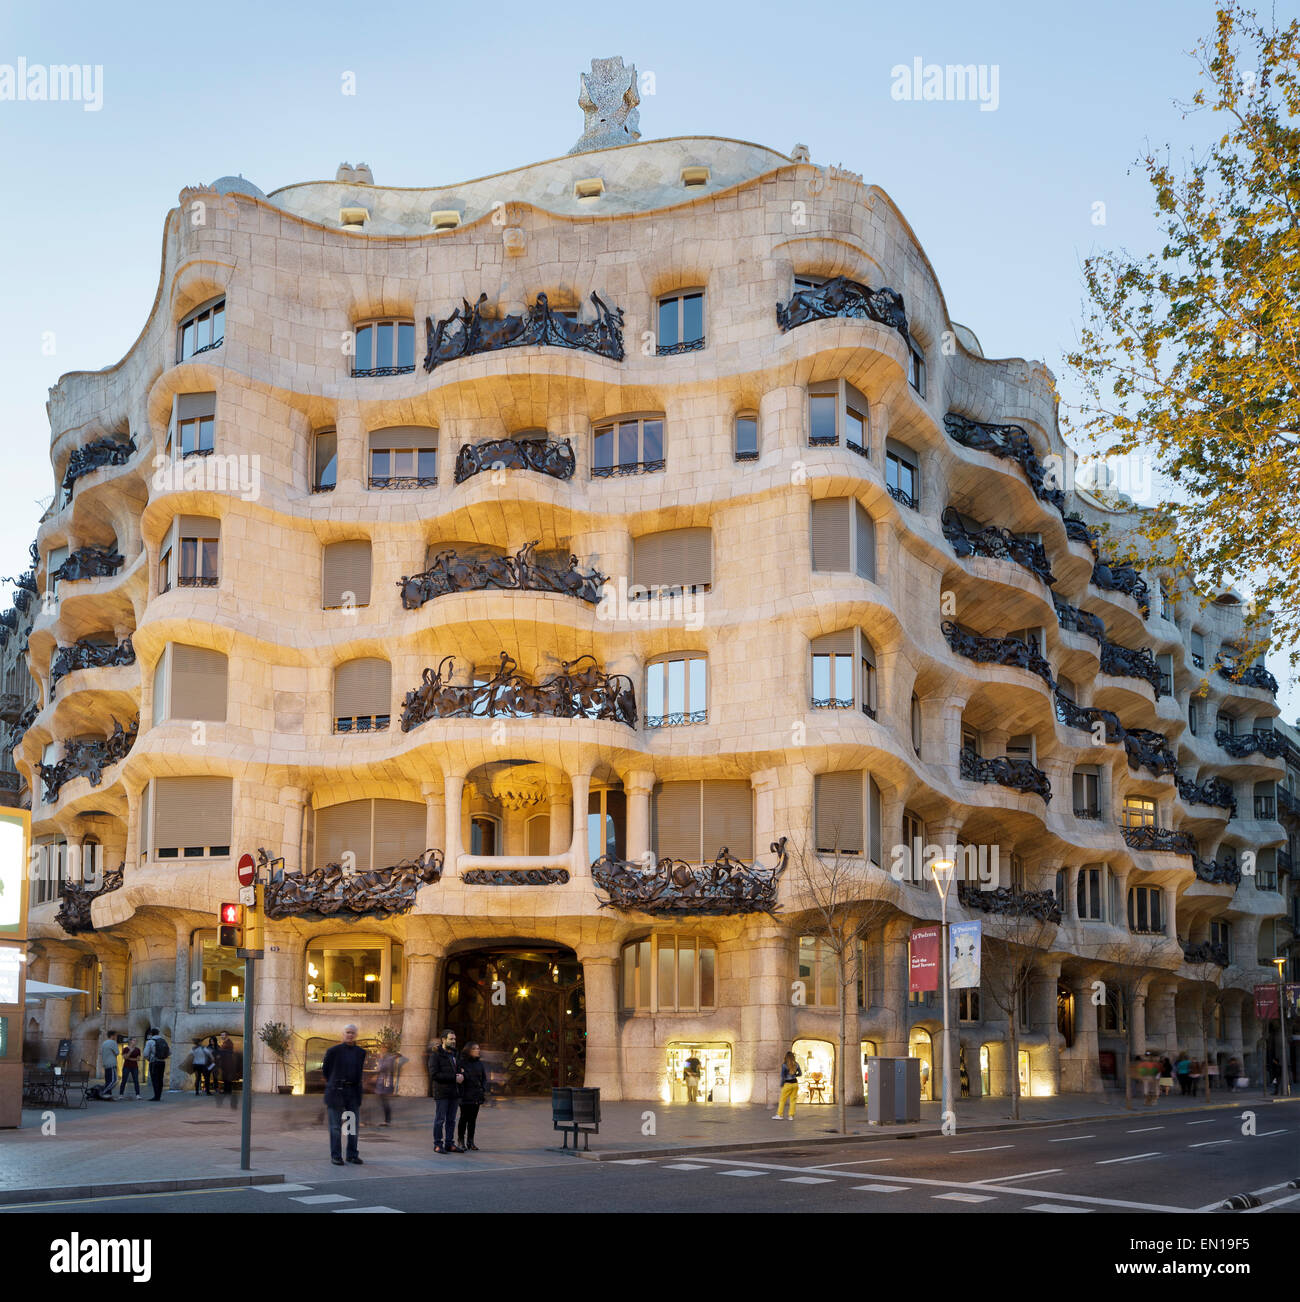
(39, 991)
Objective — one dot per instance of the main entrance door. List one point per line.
(525, 1007)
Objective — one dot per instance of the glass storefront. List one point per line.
(817, 1059)
(986, 1073)
(920, 1046)
(713, 1061)
(869, 1050)
(344, 970)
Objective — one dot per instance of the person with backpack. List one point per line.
(108, 1056)
(130, 1067)
(202, 1065)
(156, 1053)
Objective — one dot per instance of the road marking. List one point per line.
(881, 1188)
(866, 1161)
(745, 1172)
(965, 1197)
(806, 1179)
(347, 1211)
(684, 1166)
(1277, 1202)
(114, 1198)
(1210, 1143)
(1054, 1170)
(1209, 1121)
(1132, 1157)
(279, 1188)
(1052, 1207)
(952, 1152)
(1267, 1133)
(317, 1199)
(633, 1161)
(1070, 1139)
(1142, 1130)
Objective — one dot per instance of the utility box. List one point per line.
(893, 1091)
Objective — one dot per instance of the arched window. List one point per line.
(485, 834)
(681, 322)
(202, 329)
(606, 823)
(669, 974)
(537, 832)
(628, 445)
(348, 969)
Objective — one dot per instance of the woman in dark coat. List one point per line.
(473, 1090)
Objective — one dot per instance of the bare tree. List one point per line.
(1209, 985)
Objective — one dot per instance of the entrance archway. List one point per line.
(525, 1006)
(921, 1046)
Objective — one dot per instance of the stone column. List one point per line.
(604, 1049)
(420, 993)
(435, 816)
(292, 802)
(453, 790)
(1085, 1067)
(766, 783)
(278, 995)
(578, 846)
(1043, 1020)
(893, 1041)
(1138, 1021)
(561, 833)
(114, 985)
(637, 785)
(766, 1016)
(56, 1021)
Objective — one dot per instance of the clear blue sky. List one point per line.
(1001, 201)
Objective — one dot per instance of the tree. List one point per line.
(1192, 355)
(1209, 986)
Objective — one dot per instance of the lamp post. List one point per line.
(943, 875)
(1280, 963)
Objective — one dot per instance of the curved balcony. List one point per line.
(1222, 872)
(1019, 774)
(1078, 530)
(998, 651)
(1011, 443)
(332, 891)
(1125, 579)
(89, 563)
(88, 759)
(1214, 791)
(1241, 744)
(552, 457)
(1086, 717)
(1288, 806)
(577, 692)
(1125, 662)
(1206, 952)
(1011, 901)
(1159, 838)
(74, 909)
(451, 572)
(1253, 676)
(89, 655)
(1148, 749)
(1079, 621)
(999, 543)
(842, 297)
(725, 886)
(23, 722)
(94, 456)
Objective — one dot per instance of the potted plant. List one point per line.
(277, 1037)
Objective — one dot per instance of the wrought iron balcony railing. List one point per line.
(198, 581)
(331, 891)
(652, 467)
(1241, 744)
(89, 655)
(672, 886)
(1265, 807)
(11, 706)
(686, 346)
(552, 457)
(362, 723)
(842, 297)
(1158, 838)
(1080, 621)
(1087, 811)
(382, 482)
(994, 541)
(901, 496)
(1213, 791)
(451, 572)
(1252, 676)
(1011, 443)
(1146, 748)
(1128, 662)
(1086, 717)
(10, 780)
(681, 719)
(1011, 901)
(1222, 872)
(1123, 578)
(25, 721)
(1288, 806)
(1206, 952)
(88, 759)
(1018, 774)
(378, 372)
(89, 563)
(74, 907)
(1076, 528)
(102, 452)
(998, 650)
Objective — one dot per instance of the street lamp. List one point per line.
(943, 870)
(1280, 963)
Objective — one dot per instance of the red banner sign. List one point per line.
(923, 960)
(1266, 1002)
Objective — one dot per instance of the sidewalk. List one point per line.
(128, 1146)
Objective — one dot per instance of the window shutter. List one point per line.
(830, 534)
(194, 406)
(403, 437)
(677, 821)
(697, 557)
(866, 537)
(539, 834)
(873, 812)
(902, 452)
(198, 526)
(399, 831)
(146, 826)
(346, 569)
(363, 687)
(839, 812)
(729, 818)
(650, 560)
(191, 811)
(198, 684)
(340, 828)
(840, 643)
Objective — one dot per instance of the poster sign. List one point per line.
(10, 972)
(923, 960)
(1266, 1002)
(13, 871)
(964, 955)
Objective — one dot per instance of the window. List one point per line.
(324, 461)
(669, 974)
(403, 457)
(916, 725)
(970, 739)
(51, 861)
(902, 479)
(1165, 663)
(484, 834)
(1266, 869)
(363, 692)
(1265, 799)
(1020, 747)
(1017, 872)
(1166, 605)
(677, 691)
(345, 580)
(817, 970)
(606, 823)
(191, 817)
(694, 821)
(537, 835)
(217, 970)
(681, 323)
(1139, 811)
(1112, 1015)
(1146, 910)
(354, 969)
(804, 282)
(630, 445)
(968, 1004)
(1193, 717)
(1022, 1004)
(843, 537)
(913, 833)
(384, 348)
(1198, 650)
(375, 833)
(833, 656)
(198, 563)
(1092, 893)
(844, 825)
(190, 683)
(1087, 793)
(203, 329)
(192, 430)
(53, 562)
(189, 554)
(916, 366)
(672, 561)
(1221, 935)
(837, 410)
(745, 444)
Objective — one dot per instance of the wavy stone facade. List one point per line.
(299, 271)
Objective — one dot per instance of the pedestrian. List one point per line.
(1274, 1073)
(386, 1081)
(226, 1066)
(1182, 1069)
(1234, 1071)
(1148, 1073)
(1166, 1076)
(1211, 1075)
(473, 1090)
(447, 1078)
(790, 1073)
(130, 1066)
(691, 1078)
(156, 1053)
(1194, 1074)
(200, 1060)
(108, 1056)
(342, 1070)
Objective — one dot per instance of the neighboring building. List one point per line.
(18, 689)
(301, 550)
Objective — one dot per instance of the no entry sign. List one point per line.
(246, 870)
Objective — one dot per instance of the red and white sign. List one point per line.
(923, 966)
(247, 870)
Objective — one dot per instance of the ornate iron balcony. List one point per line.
(515, 876)
(630, 468)
(102, 452)
(197, 581)
(10, 780)
(1158, 838)
(573, 693)
(900, 496)
(1252, 676)
(25, 721)
(726, 886)
(1087, 811)
(1127, 662)
(1214, 791)
(1010, 443)
(399, 481)
(1241, 744)
(673, 350)
(1206, 952)
(1125, 579)
(87, 655)
(451, 572)
(842, 297)
(1011, 901)
(329, 891)
(378, 372)
(1149, 749)
(1086, 716)
(88, 759)
(1080, 621)
(1222, 872)
(89, 563)
(552, 457)
(832, 702)
(11, 706)
(994, 541)
(1287, 804)
(467, 331)
(998, 650)
(680, 719)
(1019, 774)
(1076, 528)
(74, 909)
(362, 723)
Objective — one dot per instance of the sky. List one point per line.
(1004, 200)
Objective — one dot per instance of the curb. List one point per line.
(56, 1193)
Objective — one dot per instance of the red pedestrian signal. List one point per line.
(230, 931)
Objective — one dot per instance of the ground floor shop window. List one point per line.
(216, 970)
(1025, 1088)
(361, 969)
(817, 1061)
(986, 1071)
(699, 1072)
(869, 1050)
(920, 1046)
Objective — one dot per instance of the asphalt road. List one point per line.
(1135, 1163)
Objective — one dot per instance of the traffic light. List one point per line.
(231, 931)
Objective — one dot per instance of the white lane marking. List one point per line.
(865, 1161)
(1069, 1139)
(1277, 1202)
(881, 1188)
(1210, 1143)
(350, 1210)
(1132, 1157)
(325, 1198)
(684, 1166)
(279, 1188)
(1142, 1130)
(1266, 1133)
(1209, 1121)
(742, 1173)
(1052, 1170)
(806, 1179)
(952, 1152)
(1052, 1207)
(965, 1197)
(633, 1161)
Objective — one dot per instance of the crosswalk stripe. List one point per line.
(633, 1161)
(881, 1188)
(806, 1179)
(349, 1210)
(740, 1173)
(1054, 1207)
(316, 1199)
(279, 1188)
(684, 1166)
(1132, 1157)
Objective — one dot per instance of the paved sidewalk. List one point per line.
(131, 1143)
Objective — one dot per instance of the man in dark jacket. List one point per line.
(342, 1070)
(473, 1090)
(444, 1068)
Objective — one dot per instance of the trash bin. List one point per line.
(562, 1105)
(586, 1107)
(576, 1112)
(893, 1090)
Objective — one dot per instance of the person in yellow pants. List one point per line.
(790, 1074)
